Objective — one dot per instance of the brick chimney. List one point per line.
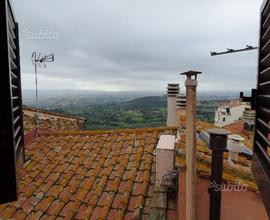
(172, 92)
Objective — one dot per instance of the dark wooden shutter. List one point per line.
(11, 118)
(261, 154)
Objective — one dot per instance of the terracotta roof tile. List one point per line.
(120, 214)
(100, 213)
(44, 204)
(54, 191)
(140, 189)
(106, 199)
(19, 214)
(86, 175)
(112, 214)
(83, 212)
(56, 207)
(9, 212)
(79, 195)
(93, 200)
(34, 215)
(135, 202)
(126, 186)
(113, 185)
(70, 208)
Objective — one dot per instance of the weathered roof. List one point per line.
(234, 173)
(236, 127)
(231, 104)
(50, 120)
(87, 175)
(53, 113)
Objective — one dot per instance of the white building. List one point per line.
(229, 112)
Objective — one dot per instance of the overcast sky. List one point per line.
(138, 45)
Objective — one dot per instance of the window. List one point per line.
(11, 120)
(228, 111)
(224, 119)
(261, 160)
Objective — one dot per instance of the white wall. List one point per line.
(222, 118)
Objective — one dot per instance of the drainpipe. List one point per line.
(191, 86)
(218, 143)
(172, 92)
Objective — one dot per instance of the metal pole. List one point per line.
(191, 86)
(41, 62)
(218, 143)
(37, 103)
(234, 51)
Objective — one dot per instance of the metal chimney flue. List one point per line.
(218, 144)
(191, 84)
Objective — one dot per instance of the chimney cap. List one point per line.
(236, 137)
(218, 139)
(191, 73)
(173, 86)
(173, 89)
(219, 132)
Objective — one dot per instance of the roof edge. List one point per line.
(53, 113)
(116, 131)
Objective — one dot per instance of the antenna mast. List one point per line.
(39, 61)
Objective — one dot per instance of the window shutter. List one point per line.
(261, 152)
(11, 117)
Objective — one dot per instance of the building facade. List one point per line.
(230, 112)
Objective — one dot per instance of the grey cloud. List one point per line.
(141, 44)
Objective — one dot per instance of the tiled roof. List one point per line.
(239, 172)
(236, 127)
(230, 104)
(87, 175)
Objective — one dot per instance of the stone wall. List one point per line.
(50, 120)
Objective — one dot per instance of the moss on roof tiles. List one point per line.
(81, 174)
(239, 172)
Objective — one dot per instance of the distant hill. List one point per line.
(52, 98)
(113, 111)
(144, 102)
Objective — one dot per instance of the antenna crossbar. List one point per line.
(248, 47)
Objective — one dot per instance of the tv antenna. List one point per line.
(251, 99)
(39, 61)
(229, 50)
